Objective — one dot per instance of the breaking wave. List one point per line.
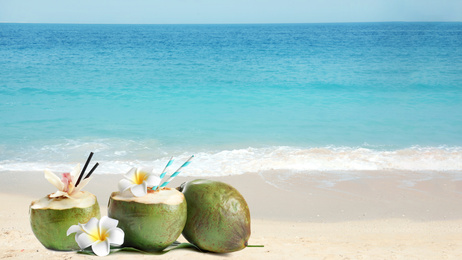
(235, 161)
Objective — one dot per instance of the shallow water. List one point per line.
(367, 96)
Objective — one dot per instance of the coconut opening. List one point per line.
(164, 196)
(83, 199)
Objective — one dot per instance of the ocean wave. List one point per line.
(239, 161)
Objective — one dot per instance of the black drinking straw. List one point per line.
(84, 168)
(91, 171)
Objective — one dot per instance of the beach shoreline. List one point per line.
(292, 216)
(306, 196)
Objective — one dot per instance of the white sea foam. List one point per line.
(239, 161)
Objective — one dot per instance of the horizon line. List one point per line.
(243, 23)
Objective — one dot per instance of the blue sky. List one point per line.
(227, 11)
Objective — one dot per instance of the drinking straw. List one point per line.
(84, 168)
(91, 171)
(164, 172)
(176, 173)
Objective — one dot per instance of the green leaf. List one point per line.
(175, 245)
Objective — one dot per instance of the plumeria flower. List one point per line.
(99, 234)
(138, 182)
(66, 185)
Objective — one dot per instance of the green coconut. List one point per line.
(218, 216)
(152, 222)
(50, 218)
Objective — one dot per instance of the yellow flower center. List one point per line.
(140, 177)
(97, 234)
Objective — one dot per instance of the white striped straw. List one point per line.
(177, 172)
(164, 172)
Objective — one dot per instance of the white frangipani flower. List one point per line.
(138, 181)
(66, 185)
(99, 234)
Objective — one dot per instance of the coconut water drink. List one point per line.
(151, 215)
(50, 218)
(52, 215)
(151, 222)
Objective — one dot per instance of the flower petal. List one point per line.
(73, 229)
(139, 190)
(75, 173)
(82, 184)
(153, 180)
(147, 170)
(106, 223)
(125, 184)
(90, 226)
(71, 188)
(116, 236)
(131, 174)
(53, 179)
(84, 240)
(101, 248)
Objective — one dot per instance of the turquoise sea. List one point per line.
(242, 98)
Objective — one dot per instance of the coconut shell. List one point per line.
(218, 216)
(50, 225)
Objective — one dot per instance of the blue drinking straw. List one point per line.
(164, 172)
(177, 172)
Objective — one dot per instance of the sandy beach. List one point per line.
(394, 215)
